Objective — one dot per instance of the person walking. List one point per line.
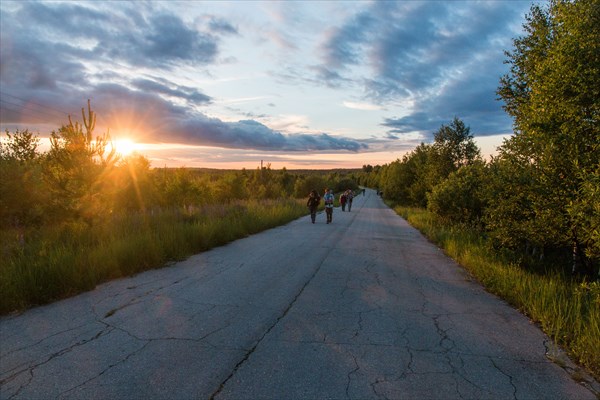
(349, 197)
(313, 204)
(328, 198)
(343, 201)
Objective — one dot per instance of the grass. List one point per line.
(568, 311)
(56, 262)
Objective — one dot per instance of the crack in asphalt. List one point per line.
(111, 366)
(283, 314)
(349, 375)
(510, 378)
(31, 368)
(42, 340)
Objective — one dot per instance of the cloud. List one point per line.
(250, 134)
(167, 39)
(220, 25)
(164, 87)
(361, 106)
(159, 39)
(445, 58)
(152, 119)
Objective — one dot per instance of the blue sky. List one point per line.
(225, 84)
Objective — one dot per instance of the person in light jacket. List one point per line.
(328, 198)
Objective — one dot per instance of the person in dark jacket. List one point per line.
(343, 201)
(313, 203)
(349, 197)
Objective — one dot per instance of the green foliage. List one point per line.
(462, 198)
(396, 181)
(417, 175)
(75, 170)
(305, 184)
(179, 187)
(232, 186)
(135, 186)
(410, 180)
(343, 184)
(454, 145)
(509, 215)
(59, 261)
(21, 189)
(21, 146)
(586, 214)
(553, 94)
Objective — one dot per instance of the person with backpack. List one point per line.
(349, 197)
(343, 201)
(328, 198)
(313, 204)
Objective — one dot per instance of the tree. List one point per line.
(134, 187)
(22, 192)
(410, 181)
(453, 147)
(553, 93)
(76, 169)
(20, 146)
(461, 198)
(305, 184)
(455, 144)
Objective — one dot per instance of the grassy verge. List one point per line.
(567, 311)
(58, 262)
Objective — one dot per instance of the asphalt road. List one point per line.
(363, 308)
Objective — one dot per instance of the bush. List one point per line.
(461, 198)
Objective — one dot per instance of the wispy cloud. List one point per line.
(361, 106)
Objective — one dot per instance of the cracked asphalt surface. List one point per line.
(364, 308)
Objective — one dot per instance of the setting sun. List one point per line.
(124, 146)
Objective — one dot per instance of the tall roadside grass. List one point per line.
(567, 311)
(53, 263)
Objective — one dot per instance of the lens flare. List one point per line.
(124, 147)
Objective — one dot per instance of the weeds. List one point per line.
(52, 263)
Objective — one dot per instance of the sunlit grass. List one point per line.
(567, 311)
(62, 261)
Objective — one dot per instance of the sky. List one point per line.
(231, 84)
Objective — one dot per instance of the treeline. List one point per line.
(81, 178)
(540, 196)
